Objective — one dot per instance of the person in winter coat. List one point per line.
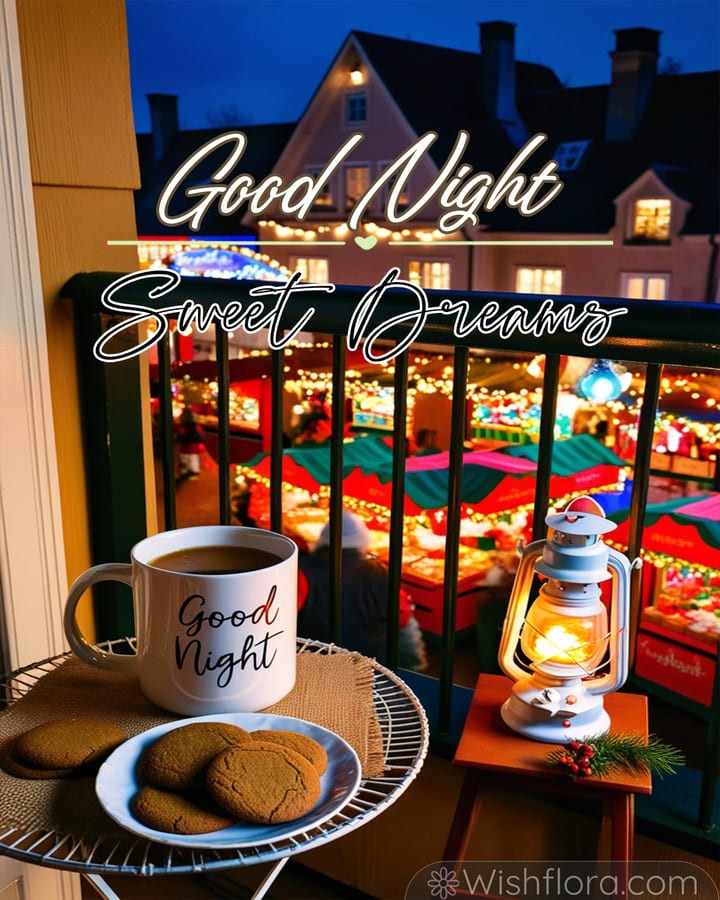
(364, 598)
(191, 444)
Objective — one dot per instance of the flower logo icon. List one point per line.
(442, 883)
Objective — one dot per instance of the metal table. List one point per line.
(405, 740)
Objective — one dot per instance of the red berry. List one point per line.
(565, 761)
(566, 723)
(589, 753)
(573, 745)
(584, 772)
(584, 763)
(586, 749)
(574, 768)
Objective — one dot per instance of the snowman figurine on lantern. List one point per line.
(570, 657)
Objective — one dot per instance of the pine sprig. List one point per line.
(609, 753)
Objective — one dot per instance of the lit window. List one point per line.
(644, 286)
(651, 220)
(356, 107)
(428, 273)
(324, 198)
(357, 181)
(312, 268)
(568, 155)
(388, 186)
(538, 280)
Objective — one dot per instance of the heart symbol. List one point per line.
(367, 242)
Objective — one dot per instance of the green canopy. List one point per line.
(369, 453)
(429, 489)
(682, 513)
(570, 456)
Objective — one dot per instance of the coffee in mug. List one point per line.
(215, 560)
(215, 618)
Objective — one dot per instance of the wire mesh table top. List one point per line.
(405, 735)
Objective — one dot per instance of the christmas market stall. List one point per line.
(305, 477)
(498, 491)
(306, 474)
(579, 464)
(679, 629)
(686, 440)
(195, 386)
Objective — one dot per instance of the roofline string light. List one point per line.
(341, 230)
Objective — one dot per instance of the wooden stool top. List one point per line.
(488, 744)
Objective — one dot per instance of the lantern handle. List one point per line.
(517, 605)
(619, 647)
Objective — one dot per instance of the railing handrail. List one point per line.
(666, 332)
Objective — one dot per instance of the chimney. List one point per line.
(634, 66)
(163, 122)
(497, 69)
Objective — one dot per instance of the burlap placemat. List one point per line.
(333, 690)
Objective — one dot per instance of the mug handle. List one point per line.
(82, 648)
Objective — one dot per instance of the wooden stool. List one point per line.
(495, 755)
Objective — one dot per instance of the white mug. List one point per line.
(205, 642)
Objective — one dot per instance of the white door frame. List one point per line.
(32, 560)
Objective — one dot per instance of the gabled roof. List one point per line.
(440, 89)
(677, 138)
(264, 146)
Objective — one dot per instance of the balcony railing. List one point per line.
(651, 333)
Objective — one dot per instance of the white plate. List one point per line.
(119, 779)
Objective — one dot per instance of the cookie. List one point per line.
(69, 743)
(263, 783)
(178, 759)
(178, 813)
(300, 743)
(14, 765)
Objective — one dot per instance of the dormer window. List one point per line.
(568, 155)
(651, 220)
(356, 107)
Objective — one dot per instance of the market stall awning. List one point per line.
(500, 484)
(570, 456)
(579, 463)
(492, 481)
(309, 467)
(686, 530)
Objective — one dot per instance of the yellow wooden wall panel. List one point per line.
(73, 226)
(77, 92)
(84, 168)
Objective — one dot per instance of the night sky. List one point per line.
(259, 61)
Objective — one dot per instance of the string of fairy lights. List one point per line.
(305, 383)
(370, 510)
(340, 231)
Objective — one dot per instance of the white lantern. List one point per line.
(570, 655)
